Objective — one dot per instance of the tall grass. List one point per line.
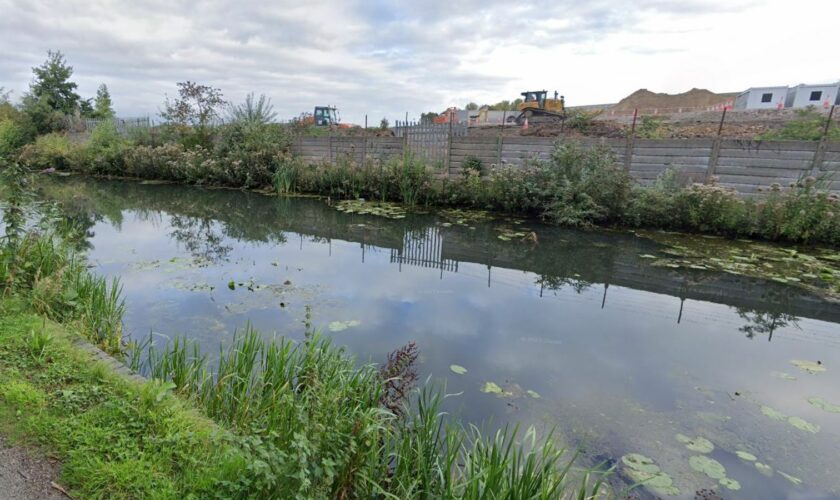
(43, 268)
(320, 428)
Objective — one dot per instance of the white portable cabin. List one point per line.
(819, 96)
(762, 98)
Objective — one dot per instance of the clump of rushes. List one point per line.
(317, 425)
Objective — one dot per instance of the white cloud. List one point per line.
(385, 58)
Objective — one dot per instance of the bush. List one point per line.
(12, 138)
(53, 150)
(104, 151)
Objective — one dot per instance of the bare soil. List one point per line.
(24, 475)
(644, 98)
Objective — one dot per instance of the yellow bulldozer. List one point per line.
(537, 108)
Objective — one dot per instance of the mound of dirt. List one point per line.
(645, 99)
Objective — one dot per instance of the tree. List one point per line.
(197, 105)
(428, 117)
(384, 124)
(102, 106)
(471, 106)
(51, 94)
(52, 84)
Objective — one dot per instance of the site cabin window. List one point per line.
(816, 95)
(768, 97)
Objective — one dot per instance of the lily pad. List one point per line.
(804, 425)
(764, 469)
(457, 369)
(824, 405)
(793, 479)
(337, 326)
(808, 366)
(533, 394)
(644, 470)
(774, 414)
(698, 444)
(730, 483)
(745, 455)
(708, 466)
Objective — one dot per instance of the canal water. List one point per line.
(577, 331)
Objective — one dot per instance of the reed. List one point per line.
(320, 426)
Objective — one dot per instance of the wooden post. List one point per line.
(714, 155)
(819, 154)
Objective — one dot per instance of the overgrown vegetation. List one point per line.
(809, 125)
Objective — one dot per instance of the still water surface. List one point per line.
(623, 355)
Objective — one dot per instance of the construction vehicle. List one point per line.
(537, 108)
(325, 116)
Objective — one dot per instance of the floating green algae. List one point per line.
(337, 326)
(644, 470)
(698, 444)
(533, 394)
(783, 376)
(815, 270)
(708, 466)
(808, 366)
(774, 414)
(745, 455)
(457, 369)
(378, 208)
(824, 405)
(491, 388)
(463, 217)
(804, 425)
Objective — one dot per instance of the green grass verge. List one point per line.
(116, 437)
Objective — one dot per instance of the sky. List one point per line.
(387, 58)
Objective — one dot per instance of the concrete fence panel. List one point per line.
(749, 166)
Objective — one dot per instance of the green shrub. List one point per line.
(12, 138)
(104, 151)
(53, 150)
(652, 127)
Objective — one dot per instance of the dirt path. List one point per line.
(24, 476)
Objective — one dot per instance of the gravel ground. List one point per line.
(24, 475)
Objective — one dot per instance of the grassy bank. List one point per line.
(116, 438)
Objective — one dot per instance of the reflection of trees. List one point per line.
(556, 283)
(200, 237)
(764, 322)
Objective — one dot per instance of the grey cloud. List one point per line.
(378, 57)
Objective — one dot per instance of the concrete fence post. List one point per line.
(714, 155)
(631, 139)
(819, 154)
